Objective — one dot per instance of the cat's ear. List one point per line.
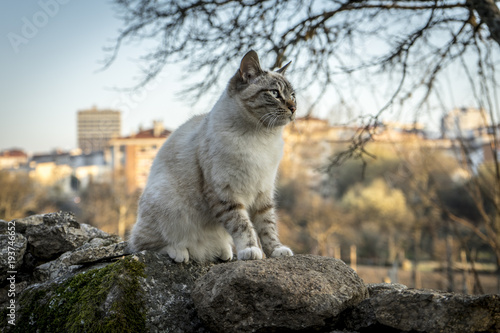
(283, 69)
(250, 67)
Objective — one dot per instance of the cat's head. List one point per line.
(267, 96)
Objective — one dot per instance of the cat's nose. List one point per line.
(292, 108)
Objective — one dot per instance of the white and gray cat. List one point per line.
(212, 182)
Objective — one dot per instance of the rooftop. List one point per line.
(13, 153)
(148, 134)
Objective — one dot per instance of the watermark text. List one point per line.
(31, 25)
(11, 273)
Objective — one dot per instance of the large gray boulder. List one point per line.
(94, 251)
(57, 234)
(394, 306)
(148, 292)
(12, 249)
(47, 246)
(144, 292)
(286, 294)
(95, 285)
(166, 288)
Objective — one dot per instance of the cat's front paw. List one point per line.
(281, 251)
(178, 254)
(250, 253)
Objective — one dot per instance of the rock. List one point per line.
(58, 234)
(94, 285)
(20, 225)
(103, 298)
(96, 250)
(167, 289)
(93, 232)
(23, 224)
(144, 292)
(39, 238)
(302, 292)
(3, 226)
(12, 249)
(403, 309)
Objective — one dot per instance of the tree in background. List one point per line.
(384, 209)
(109, 206)
(17, 195)
(402, 51)
(21, 196)
(309, 222)
(399, 48)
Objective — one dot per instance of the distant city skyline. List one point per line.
(51, 56)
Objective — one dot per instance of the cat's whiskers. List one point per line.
(279, 116)
(274, 120)
(265, 118)
(260, 123)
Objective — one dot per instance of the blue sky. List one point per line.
(51, 53)
(46, 78)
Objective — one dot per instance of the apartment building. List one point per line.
(96, 127)
(134, 154)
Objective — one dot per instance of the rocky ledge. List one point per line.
(62, 276)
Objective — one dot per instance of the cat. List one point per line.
(211, 185)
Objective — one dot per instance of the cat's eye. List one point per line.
(275, 93)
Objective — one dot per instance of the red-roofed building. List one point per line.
(12, 159)
(134, 154)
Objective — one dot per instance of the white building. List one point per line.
(466, 123)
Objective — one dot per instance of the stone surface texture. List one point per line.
(59, 233)
(167, 291)
(408, 310)
(292, 293)
(72, 277)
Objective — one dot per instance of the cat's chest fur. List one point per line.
(239, 159)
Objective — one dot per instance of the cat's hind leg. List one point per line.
(218, 244)
(226, 253)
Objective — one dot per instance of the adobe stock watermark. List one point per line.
(127, 101)
(11, 272)
(32, 25)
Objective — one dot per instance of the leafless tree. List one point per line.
(17, 193)
(402, 49)
(110, 206)
(403, 45)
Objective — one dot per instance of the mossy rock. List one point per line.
(106, 299)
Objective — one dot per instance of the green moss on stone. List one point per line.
(100, 300)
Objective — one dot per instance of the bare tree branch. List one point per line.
(490, 14)
(416, 41)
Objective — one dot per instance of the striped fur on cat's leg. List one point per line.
(264, 220)
(233, 216)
